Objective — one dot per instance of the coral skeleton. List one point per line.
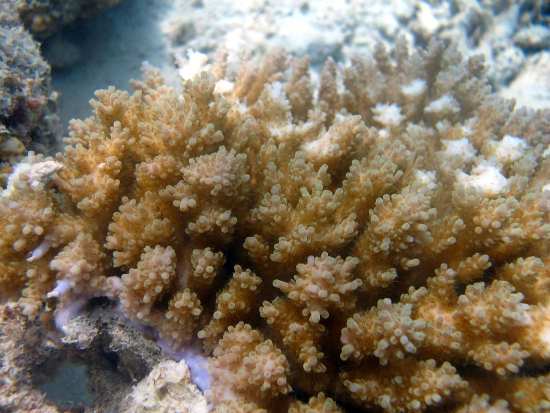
(380, 242)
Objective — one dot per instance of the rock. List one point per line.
(533, 38)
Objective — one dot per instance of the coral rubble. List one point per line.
(380, 242)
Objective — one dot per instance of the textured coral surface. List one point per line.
(380, 241)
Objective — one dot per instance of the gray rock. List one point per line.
(536, 37)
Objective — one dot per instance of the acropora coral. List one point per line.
(378, 241)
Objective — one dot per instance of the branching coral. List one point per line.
(384, 245)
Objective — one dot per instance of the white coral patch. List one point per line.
(545, 204)
(486, 175)
(461, 147)
(327, 143)
(415, 88)
(241, 108)
(426, 178)
(388, 115)
(277, 92)
(195, 63)
(69, 311)
(509, 149)
(38, 174)
(278, 96)
(319, 146)
(445, 106)
(544, 336)
(224, 87)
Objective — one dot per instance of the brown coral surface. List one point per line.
(381, 242)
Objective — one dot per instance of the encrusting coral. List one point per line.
(381, 242)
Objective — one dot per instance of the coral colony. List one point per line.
(379, 241)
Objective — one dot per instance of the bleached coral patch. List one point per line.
(443, 107)
(275, 109)
(415, 88)
(507, 150)
(485, 175)
(278, 95)
(460, 147)
(195, 63)
(224, 87)
(36, 173)
(426, 177)
(327, 143)
(388, 115)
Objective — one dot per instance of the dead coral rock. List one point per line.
(43, 18)
(20, 349)
(116, 354)
(28, 108)
(168, 388)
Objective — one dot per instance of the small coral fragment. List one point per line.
(205, 265)
(238, 406)
(26, 213)
(480, 404)
(231, 303)
(387, 331)
(145, 220)
(245, 364)
(410, 386)
(80, 265)
(324, 282)
(316, 404)
(300, 336)
(531, 394)
(494, 307)
(502, 358)
(217, 176)
(184, 310)
(147, 283)
(264, 369)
